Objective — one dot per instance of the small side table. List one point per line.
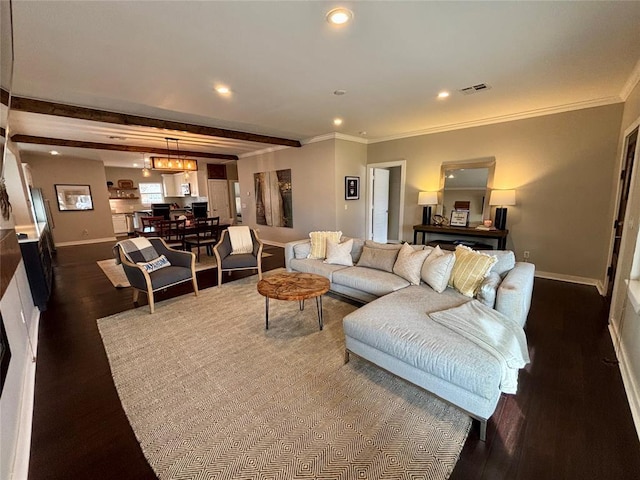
(294, 286)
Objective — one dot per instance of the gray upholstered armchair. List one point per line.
(139, 261)
(228, 261)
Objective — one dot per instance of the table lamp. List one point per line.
(427, 199)
(502, 198)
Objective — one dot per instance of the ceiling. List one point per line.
(283, 63)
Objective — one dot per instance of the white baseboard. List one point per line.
(86, 242)
(630, 386)
(572, 279)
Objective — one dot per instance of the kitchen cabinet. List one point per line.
(173, 184)
(119, 223)
(36, 254)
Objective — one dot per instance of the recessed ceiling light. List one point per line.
(337, 122)
(339, 16)
(54, 152)
(443, 94)
(222, 90)
(135, 164)
(339, 92)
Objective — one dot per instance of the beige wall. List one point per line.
(73, 227)
(313, 189)
(561, 166)
(350, 161)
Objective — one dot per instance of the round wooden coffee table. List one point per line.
(294, 286)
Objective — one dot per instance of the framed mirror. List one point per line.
(467, 183)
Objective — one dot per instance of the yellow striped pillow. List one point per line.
(319, 243)
(470, 269)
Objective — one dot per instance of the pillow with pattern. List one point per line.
(409, 263)
(319, 243)
(339, 253)
(155, 264)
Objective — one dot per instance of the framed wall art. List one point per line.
(351, 188)
(459, 218)
(74, 197)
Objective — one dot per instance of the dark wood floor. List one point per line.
(569, 420)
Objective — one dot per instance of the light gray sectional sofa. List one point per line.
(400, 327)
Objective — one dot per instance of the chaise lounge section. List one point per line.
(400, 330)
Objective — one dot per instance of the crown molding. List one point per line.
(335, 136)
(631, 83)
(263, 151)
(506, 118)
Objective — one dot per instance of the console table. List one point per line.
(499, 235)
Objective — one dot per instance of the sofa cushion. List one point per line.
(370, 280)
(309, 265)
(302, 250)
(506, 261)
(436, 269)
(319, 243)
(470, 269)
(339, 253)
(409, 263)
(356, 251)
(489, 289)
(384, 246)
(378, 258)
(398, 325)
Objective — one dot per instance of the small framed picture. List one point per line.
(351, 188)
(459, 218)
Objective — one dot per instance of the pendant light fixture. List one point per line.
(174, 163)
(146, 171)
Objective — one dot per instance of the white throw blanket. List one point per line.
(492, 331)
(241, 241)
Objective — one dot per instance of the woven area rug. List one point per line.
(115, 273)
(210, 393)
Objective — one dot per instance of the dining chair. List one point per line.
(148, 223)
(205, 235)
(172, 232)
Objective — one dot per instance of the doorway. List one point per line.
(385, 201)
(630, 147)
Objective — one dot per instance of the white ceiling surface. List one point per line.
(283, 62)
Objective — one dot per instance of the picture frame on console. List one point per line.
(351, 188)
(459, 218)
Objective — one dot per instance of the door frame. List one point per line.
(632, 194)
(369, 202)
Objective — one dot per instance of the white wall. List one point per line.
(20, 319)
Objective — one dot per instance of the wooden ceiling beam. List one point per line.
(82, 113)
(57, 142)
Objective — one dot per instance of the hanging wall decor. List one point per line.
(274, 202)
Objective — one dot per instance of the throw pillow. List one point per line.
(470, 269)
(378, 258)
(506, 261)
(155, 264)
(409, 263)
(302, 250)
(339, 253)
(319, 243)
(488, 289)
(436, 269)
(384, 246)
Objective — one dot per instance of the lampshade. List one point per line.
(428, 198)
(502, 197)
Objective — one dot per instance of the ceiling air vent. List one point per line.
(474, 88)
